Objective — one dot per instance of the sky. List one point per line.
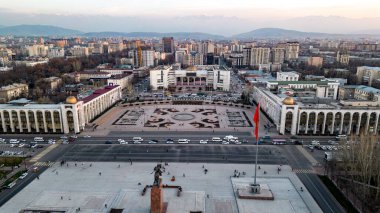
(225, 17)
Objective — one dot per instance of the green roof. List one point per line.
(300, 82)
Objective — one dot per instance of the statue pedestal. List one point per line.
(156, 200)
(255, 188)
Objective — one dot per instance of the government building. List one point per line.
(195, 78)
(318, 108)
(24, 116)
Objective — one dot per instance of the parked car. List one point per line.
(153, 141)
(137, 139)
(87, 136)
(216, 139)
(183, 140)
(203, 141)
(169, 141)
(108, 142)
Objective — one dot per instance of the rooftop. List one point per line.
(12, 86)
(371, 68)
(368, 89)
(98, 93)
(300, 82)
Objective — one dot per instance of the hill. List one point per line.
(278, 33)
(177, 35)
(37, 30)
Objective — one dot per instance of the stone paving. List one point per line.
(105, 185)
(168, 117)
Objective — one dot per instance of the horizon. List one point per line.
(214, 17)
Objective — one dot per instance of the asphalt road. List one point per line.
(179, 153)
(314, 185)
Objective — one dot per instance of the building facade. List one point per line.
(13, 91)
(69, 117)
(328, 118)
(368, 75)
(200, 78)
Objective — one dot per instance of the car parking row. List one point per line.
(229, 139)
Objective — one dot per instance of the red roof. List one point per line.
(98, 93)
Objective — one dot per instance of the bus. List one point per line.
(279, 141)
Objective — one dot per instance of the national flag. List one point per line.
(256, 120)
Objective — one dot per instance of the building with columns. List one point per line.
(320, 116)
(199, 78)
(23, 116)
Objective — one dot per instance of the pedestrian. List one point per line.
(100, 174)
(75, 164)
(61, 197)
(259, 167)
(105, 205)
(38, 177)
(90, 164)
(183, 175)
(67, 164)
(56, 172)
(118, 166)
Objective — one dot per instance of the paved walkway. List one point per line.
(91, 187)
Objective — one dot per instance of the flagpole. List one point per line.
(257, 150)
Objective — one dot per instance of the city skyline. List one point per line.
(222, 17)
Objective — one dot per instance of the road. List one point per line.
(52, 156)
(314, 185)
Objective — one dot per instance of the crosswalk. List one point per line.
(303, 171)
(46, 164)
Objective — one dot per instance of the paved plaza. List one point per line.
(100, 186)
(177, 118)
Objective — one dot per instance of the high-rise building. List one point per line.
(168, 43)
(147, 58)
(277, 55)
(291, 50)
(255, 56)
(179, 56)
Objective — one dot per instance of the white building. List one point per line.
(22, 116)
(56, 52)
(124, 80)
(315, 116)
(287, 76)
(147, 58)
(199, 78)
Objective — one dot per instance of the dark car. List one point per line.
(296, 142)
(108, 142)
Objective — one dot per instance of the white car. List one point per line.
(216, 139)
(136, 142)
(203, 141)
(74, 136)
(225, 142)
(183, 140)
(87, 136)
(13, 145)
(51, 142)
(123, 142)
(153, 141)
(169, 141)
(237, 142)
(34, 146)
(14, 141)
(23, 176)
(63, 137)
(21, 145)
(137, 139)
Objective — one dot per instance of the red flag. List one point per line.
(256, 120)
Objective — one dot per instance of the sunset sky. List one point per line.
(189, 14)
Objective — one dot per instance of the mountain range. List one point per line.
(48, 30)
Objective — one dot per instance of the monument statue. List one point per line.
(157, 174)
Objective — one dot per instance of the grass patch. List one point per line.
(11, 161)
(339, 196)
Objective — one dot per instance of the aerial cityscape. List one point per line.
(189, 107)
